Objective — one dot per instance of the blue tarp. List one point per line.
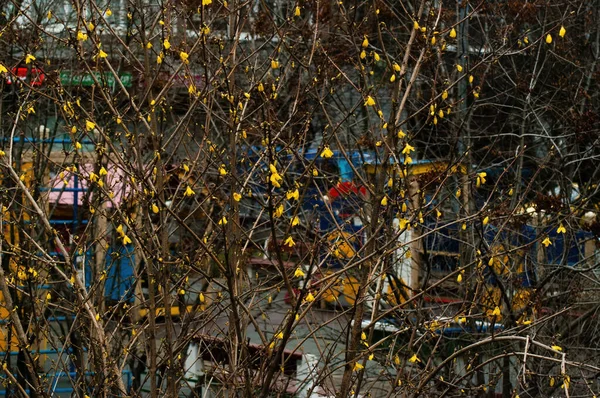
(120, 280)
(119, 268)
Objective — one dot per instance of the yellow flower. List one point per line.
(279, 335)
(376, 57)
(486, 220)
(327, 153)
(102, 171)
(237, 197)
(166, 44)
(369, 101)
(274, 64)
(416, 25)
(260, 88)
(408, 149)
(459, 68)
(126, 240)
(295, 221)
(365, 42)
(444, 95)
(154, 208)
(299, 273)
(189, 191)
(82, 36)
(29, 58)
(159, 59)
(275, 179)
(309, 298)
(404, 224)
(206, 2)
(453, 33)
(89, 125)
(384, 201)
(289, 242)
(102, 54)
(278, 212)
(297, 11)
(396, 67)
(3, 69)
(562, 31)
(401, 134)
(293, 195)
(546, 242)
(392, 78)
(120, 229)
(414, 359)
(556, 348)
(108, 12)
(481, 178)
(549, 38)
(184, 57)
(561, 229)
(496, 311)
(222, 170)
(471, 79)
(223, 221)
(357, 367)
(459, 278)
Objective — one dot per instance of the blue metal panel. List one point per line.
(119, 268)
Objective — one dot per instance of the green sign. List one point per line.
(70, 78)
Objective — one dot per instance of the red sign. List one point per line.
(181, 79)
(36, 76)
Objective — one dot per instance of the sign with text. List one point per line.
(71, 78)
(36, 76)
